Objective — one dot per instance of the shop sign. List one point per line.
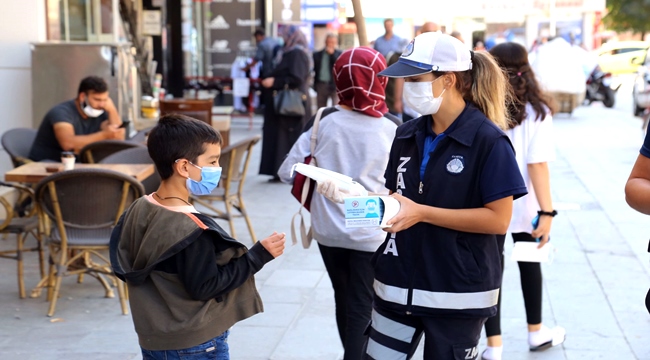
(151, 22)
(231, 32)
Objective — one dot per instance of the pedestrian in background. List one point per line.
(457, 35)
(394, 89)
(264, 54)
(293, 71)
(323, 66)
(429, 26)
(389, 42)
(531, 134)
(354, 139)
(455, 175)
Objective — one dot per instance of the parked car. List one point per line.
(641, 90)
(616, 57)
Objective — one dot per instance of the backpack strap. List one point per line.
(306, 235)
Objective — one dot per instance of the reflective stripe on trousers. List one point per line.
(437, 300)
(392, 330)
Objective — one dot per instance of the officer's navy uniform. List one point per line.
(433, 279)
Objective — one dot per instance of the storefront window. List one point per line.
(81, 20)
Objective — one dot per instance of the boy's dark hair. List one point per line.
(259, 32)
(94, 84)
(178, 137)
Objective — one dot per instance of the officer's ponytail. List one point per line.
(486, 85)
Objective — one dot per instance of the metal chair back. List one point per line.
(20, 227)
(137, 155)
(141, 136)
(235, 160)
(18, 143)
(86, 199)
(83, 205)
(95, 152)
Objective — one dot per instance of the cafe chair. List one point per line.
(141, 136)
(200, 109)
(137, 155)
(21, 227)
(94, 152)
(234, 162)
(83, 205)
(18, 143)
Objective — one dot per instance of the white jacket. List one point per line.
(353, 144)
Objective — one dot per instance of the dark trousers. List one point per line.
(397, 335)
(325, 91)
(352, 275)
(531, 287)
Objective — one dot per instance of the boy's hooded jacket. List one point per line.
(166, 315)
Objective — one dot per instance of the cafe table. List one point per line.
(36, 171)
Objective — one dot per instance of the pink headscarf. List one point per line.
(357, 84)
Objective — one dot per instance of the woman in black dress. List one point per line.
(280, 132)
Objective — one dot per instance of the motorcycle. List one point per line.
(599, 88)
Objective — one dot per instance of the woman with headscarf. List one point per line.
(280, 132)
(354, 139)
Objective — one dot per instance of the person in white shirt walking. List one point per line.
(532, 137)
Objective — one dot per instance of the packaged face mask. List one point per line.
(370, 211)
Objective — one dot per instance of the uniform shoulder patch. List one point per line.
(456, 164)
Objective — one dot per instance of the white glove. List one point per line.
(357, 190)
(331, 191)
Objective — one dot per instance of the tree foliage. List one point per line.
(628, 15)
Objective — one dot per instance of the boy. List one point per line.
(188, 280)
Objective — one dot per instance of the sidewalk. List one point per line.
(595, 288)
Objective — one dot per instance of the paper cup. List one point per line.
(67, 159)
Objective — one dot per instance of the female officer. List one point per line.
(455, 175)
(532, 138)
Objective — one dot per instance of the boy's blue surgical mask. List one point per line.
(210, 176)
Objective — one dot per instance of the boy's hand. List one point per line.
(274, 244)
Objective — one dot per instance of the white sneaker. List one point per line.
(492, 353)
(551, 337)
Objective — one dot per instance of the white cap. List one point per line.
(431, 51)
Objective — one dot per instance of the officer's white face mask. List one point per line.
(419, 97)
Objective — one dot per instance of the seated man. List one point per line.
(71, 125)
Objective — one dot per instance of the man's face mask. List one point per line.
(89, 110)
